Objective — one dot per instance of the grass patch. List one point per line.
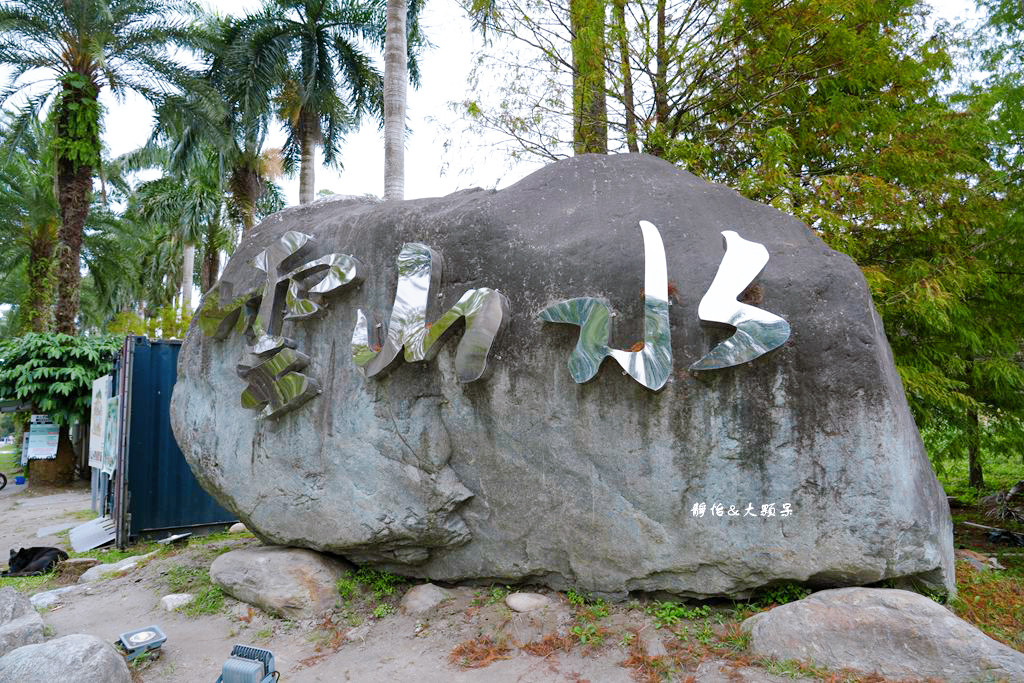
(209, 599)
(993, 601)
(30, 584)
(372, 591)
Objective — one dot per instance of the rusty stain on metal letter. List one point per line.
(651, 365)
(757, 330)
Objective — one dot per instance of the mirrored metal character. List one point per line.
(485, 310)
(652, 364)
(757, 330)
(275, 386)
(271, 364)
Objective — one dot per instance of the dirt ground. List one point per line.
(392, 648)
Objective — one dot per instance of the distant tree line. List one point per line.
(896, 139)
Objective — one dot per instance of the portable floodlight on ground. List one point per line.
(249, 665)
(141, 640)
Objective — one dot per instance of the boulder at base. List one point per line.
(77, 658)
(525, 475)
(292, 582)
(893, 633)
(20, 624)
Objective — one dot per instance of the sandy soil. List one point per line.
(359, 647)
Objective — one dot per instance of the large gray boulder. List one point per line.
(20, 624)
(893, 633)
(292, 582)
(77, 658)
(525, 474)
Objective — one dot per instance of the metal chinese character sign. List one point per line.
(273, 368)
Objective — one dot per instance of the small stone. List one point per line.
(48, 599)
(81, 658)
(175, 600)
(652, 643)
(359, 633)
(978, 561)
(102, 571)
(893, 633)
(237, 528)
(423, 598)
(527, 602)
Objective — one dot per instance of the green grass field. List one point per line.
(10, 463)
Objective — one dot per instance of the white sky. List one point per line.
(431, 168)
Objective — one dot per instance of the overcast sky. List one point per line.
(432, 168)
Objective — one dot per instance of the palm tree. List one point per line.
(299, 54)
(84, 46)
(28, 218)
(215, 116)
(399, 64)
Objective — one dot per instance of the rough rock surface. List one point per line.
(237, 528)
(423, 598)
(101, 571)
(293, 582)
(77, 658)
(20, 624)
(50, 598)
(525, 475)
(894, 633)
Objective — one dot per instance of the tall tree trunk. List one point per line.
(76, 125)
(247, 187)
(187, 269)
(74, 190)
(307, 171)
(211, 259)
(619, 11)
(655, 143)
(396, 75)
(590, 114)
(58, 471)
(40, 278)
(661, 77)
(975, 476)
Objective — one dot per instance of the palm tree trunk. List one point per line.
(74, 189)
(187, 267)
(590, 114)
(307, 171)
(395, 78)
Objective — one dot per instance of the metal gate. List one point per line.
(155, 490)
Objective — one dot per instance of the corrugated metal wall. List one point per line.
(162, 493)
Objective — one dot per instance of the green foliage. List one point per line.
(588, 633)
(76, 115)
(209, 599)
(54, 371)
(576, 599)
(668, 614)
(383, 609)
(781, 594)
(380, 583)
